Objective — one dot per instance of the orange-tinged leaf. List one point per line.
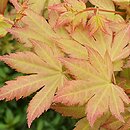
(98, 22)
(37, 6)
(122, 1)
(84, 36)
(63, 48)
(100, 106)
(52, 2)
(62, 32)
(73, 111)
(26, 62)
(103, 4)
(48, 54)
(73, 48)
(98, 68)
(75, 90)
(36, 27)
(70, 13)
(118, 46)
(59, 8)
(22, 87)
(34, 21)
(50, 78)
(40, 5)
(65, 18)
(103, 65)
(76, 4)
(124, 53)
(100, 41)
(95, 108)
(118, 49)
(79, 18)
(50, 75)
(109, 66)
(25, 34)
(43, 99)
(41, 102)
(120, 24)
(97, 97)
(82, 69)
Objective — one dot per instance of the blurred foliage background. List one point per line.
(13, 114)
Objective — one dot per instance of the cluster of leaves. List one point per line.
(13, 114)
(79, 62)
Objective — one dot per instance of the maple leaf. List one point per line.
(40, 5)
(114, 124)
(103, 4)
(83, 124)
(121, 48)
(46, 71)
(43, 99)
(5, 24)
(45, 34)
(50, 36)
(121, 24)
(32, 28)
(90, 93)
(98, 42)
(71, 12)
(22, 86)
(37, 28)
(73, 111)
(102, 42)
(97, 22)
(93, 82)
(73, 48)
(65, 42)
(62, 32)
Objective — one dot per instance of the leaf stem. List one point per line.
(103, 10)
